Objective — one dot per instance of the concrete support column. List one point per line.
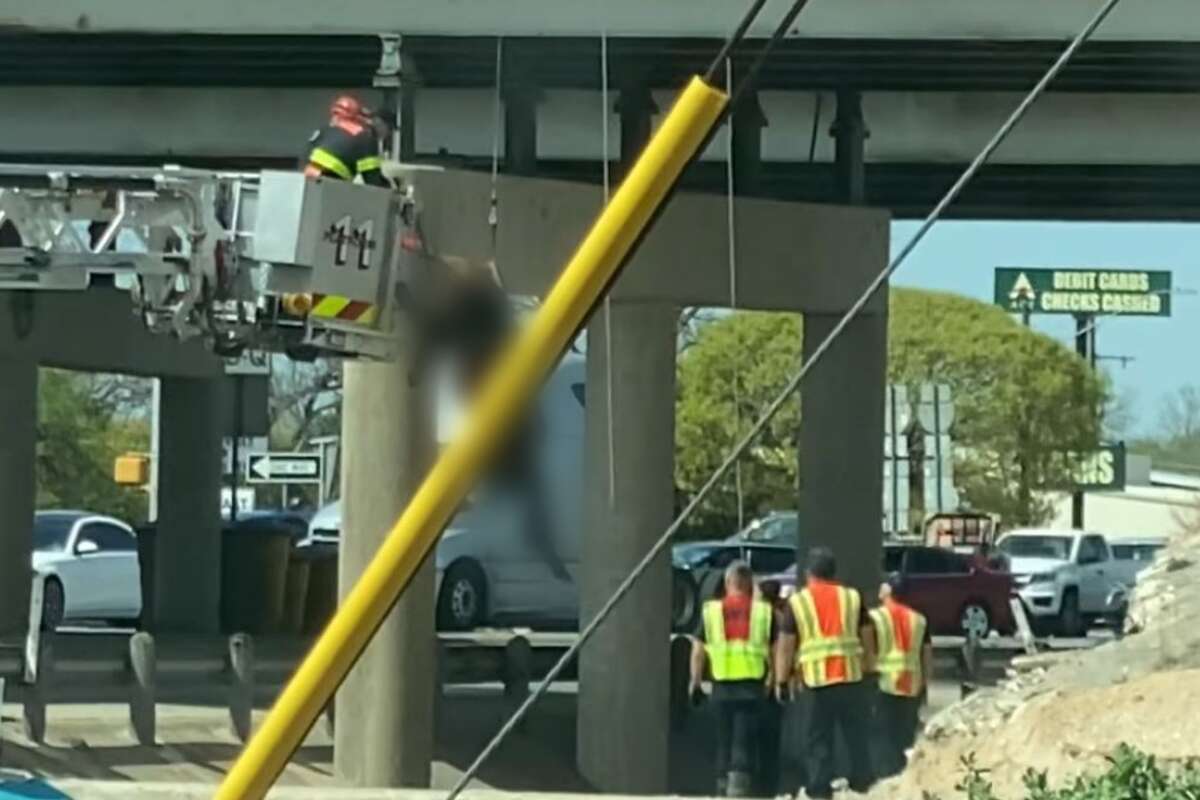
(187, 548)
(521, 98)
(841, 446)
(624, 676)
(384, 710)
(748, 122)
(850, 133)
(18, 489)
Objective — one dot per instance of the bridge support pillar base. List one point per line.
(18, 442)
(624, 676)
(186, 572)
(385, 709)
(841, 460)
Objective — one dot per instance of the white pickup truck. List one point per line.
(1067, 579)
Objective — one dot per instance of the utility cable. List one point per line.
(751, 74)
(812, 142)
(734, 40)
(497, 121)
(793, 384)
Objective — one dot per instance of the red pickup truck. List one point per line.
(955, 592)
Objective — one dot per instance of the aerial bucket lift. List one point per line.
(269, 261)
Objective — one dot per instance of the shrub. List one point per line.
(1131, 775)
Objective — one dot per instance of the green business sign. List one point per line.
(1102, 469)
(1115, 292)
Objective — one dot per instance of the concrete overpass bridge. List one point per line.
(868, 103)
(241, 83)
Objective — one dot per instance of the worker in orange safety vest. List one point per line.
(904, 664)
(827, 657)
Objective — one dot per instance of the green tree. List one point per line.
(1175, 445)
(747, 356)
(81, 431)
(1022, 400)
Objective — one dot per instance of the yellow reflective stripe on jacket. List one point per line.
(899, 668)
(741, 659)
(369, 163)
(826, 659)
(327, 160)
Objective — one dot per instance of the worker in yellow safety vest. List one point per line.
(832, 648)
(905, 666)
(735, 644)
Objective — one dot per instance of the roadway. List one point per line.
(90, 741)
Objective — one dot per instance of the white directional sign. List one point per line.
(283, 468)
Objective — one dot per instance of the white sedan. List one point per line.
(90, 563)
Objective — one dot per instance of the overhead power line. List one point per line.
(798, 378)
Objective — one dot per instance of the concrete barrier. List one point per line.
(241, 671)
(123, 790)
(143, 695)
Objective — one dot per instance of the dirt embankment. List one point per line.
(1064, 713)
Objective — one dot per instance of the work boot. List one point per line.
(740, 784)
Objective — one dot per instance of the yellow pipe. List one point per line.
(506, 391)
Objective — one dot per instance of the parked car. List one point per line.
(957, 596)
(1065, 579)
(1131, 555)
(488, 570)
(90, 564)
(702, 564)
(778, 527)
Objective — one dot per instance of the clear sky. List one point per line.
(961, 257)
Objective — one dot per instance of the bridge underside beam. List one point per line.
(1171, 20)
(1087, 156)
(95, 330)
(790, 256)
(926, 64)
(906, 127)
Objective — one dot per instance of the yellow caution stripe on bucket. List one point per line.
(332, 306)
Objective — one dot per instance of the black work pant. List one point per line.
(737, 733)
(770, 735)
(844, 707)
(898, 719)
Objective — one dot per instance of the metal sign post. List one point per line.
(1086, 294)
(249, 363)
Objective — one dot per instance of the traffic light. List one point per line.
(132, 469)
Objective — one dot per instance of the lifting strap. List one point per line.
(608, 333)
(497, 111)
(733, 303)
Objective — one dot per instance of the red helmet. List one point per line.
(348, 107)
